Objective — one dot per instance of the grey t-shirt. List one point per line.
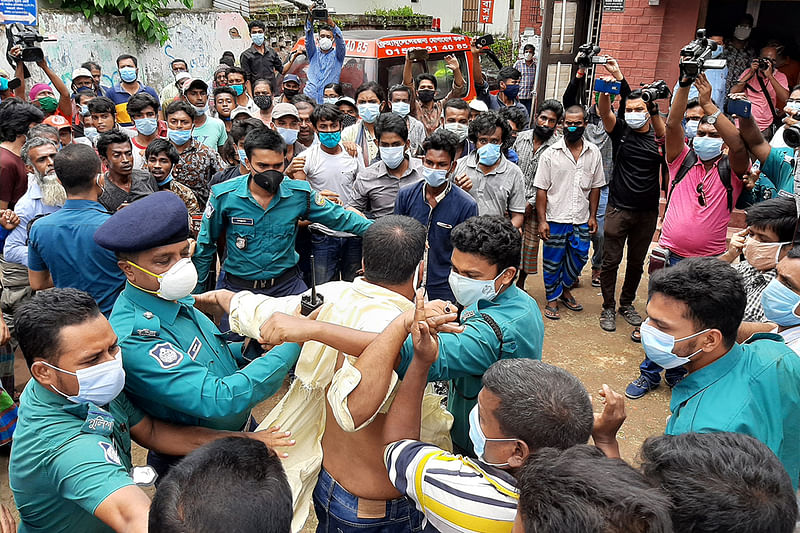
(142, 184)
(375, 190)
(500, 192)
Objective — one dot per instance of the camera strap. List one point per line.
(775, 118)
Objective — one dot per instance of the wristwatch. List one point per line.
(713, 118)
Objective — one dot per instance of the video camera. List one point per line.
(27, 38)
(587, 56)
(697, 56)
(655, 91)
(319, 11)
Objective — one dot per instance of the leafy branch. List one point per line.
(143, 15)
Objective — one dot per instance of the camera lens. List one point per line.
(791, 136)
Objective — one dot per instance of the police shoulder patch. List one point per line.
(194, 349)
(209, 210)
(166, 355)
(319, 199)
(110, 453)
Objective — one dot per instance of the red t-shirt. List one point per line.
(13, 177)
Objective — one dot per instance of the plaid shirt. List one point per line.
(754, 283)
(529, 160)
(526, 88)
(197, 165)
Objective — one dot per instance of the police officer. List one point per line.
(258, 215)
(179, 367)
(70, 467)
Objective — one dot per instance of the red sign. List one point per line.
(487, 9)
(434, 44)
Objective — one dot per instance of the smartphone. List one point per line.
(609, 87)
(739, 108)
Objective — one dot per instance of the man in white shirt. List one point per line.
(568, 182)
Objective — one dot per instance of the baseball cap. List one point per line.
(190, 82)
(239, 110)
(283, 109)
(478, 105)
(57, 121)
(81, 73)
(346, 100)
(291, 77)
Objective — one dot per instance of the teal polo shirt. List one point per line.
(778, 169)
(179, 368)
(512, 316)
(64, 245)
(260, 243)
(754, 389)
(62, 467)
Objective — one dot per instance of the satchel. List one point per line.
(659, 258)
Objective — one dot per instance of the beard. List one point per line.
(53, 192)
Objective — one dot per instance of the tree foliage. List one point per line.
(143, 15)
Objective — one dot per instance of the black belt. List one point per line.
(261, 283)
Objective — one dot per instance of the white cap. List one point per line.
(81, 73)
(478, 105)
(241, 109)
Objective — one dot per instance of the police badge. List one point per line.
(241, 242)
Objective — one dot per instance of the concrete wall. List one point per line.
(447, 10)
(199, 37)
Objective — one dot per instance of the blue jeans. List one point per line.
(335, 256)
(337, 511)
(597, 238)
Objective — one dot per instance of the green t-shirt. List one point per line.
(212, 133)
(66, 460)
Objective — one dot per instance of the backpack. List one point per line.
(724, 168)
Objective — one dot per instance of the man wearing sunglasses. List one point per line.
(704, 186)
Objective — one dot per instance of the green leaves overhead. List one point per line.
(143, 15)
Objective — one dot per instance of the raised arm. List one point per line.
(571, 92)
(737, 152)
(675, 134)
(604, 104)
(311, 45)
(338, 37)
(753, 139)
(64, 101)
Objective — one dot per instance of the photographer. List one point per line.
(636, 135)
(42, 95)
(716, 77)
(324, 60)
(766, 89)
(705, 185)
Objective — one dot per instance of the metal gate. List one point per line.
(469, 15)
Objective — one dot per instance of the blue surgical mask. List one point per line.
(237, 88)
(691, 128)
(468, 291)
(780, 303)
(658, 346)
(479, 439)
(146, 126)
(330, 139)
(91, 133)
(289, 135)
(128, 74)
(434, 177)
(707, 148)
(242, 155)
(368, 112)
(392, 155)
(488, 154)
(179, 137)
(84, 110)
(718, 52)
(201, 110)
(258, 38)
(636, 119)
(165, 180)
(332, 100)
(794, 107)
(401, 108)
(98, 384)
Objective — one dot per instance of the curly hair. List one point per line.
(491, 237)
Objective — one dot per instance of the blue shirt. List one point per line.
(63, 243)
(27, 208)
(261, 242)
(464, 357)
(323, 68)
(753, 389)
(494, 103)
(120, 97)
(456, 207)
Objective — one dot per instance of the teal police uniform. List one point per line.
(67, 459)
(753, 389)
(260, 243)
(510, 326)
(178, 366)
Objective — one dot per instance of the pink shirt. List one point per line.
(761, 110)
(689, 229)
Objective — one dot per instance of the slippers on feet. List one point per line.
(636, 336)
(571, 304)
(551, 313)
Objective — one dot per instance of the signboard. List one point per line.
(486, 11)
(614, 6)
(23, 11)
(434, 44)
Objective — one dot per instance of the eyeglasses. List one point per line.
(701, 197)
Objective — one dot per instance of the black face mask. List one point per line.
(543, 132)
(268, 180)
(573, 136)
(426, 95)
(347, 120)
(288, 94)
(263, 101)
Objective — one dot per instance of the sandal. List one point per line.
(636, 336)
(571, 304)
(551, 313)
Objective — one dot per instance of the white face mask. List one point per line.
(177, 282)
(742, 32)
(98, 384)
(325, 44)
(459, 129)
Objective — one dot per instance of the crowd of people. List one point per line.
(171, 258)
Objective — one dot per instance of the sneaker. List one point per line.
(595, 278)
(638, 388)
(608, 319)
(673, 380)
(630, 315)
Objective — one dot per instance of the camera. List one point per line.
(655, 91)
(484, 41)
(764, 63)
(791, 136)
(319, 11)
(587, 56)
(697, 56)
(27, 38)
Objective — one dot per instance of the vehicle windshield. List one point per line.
(391, 71)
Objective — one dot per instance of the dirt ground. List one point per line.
(575, 343)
